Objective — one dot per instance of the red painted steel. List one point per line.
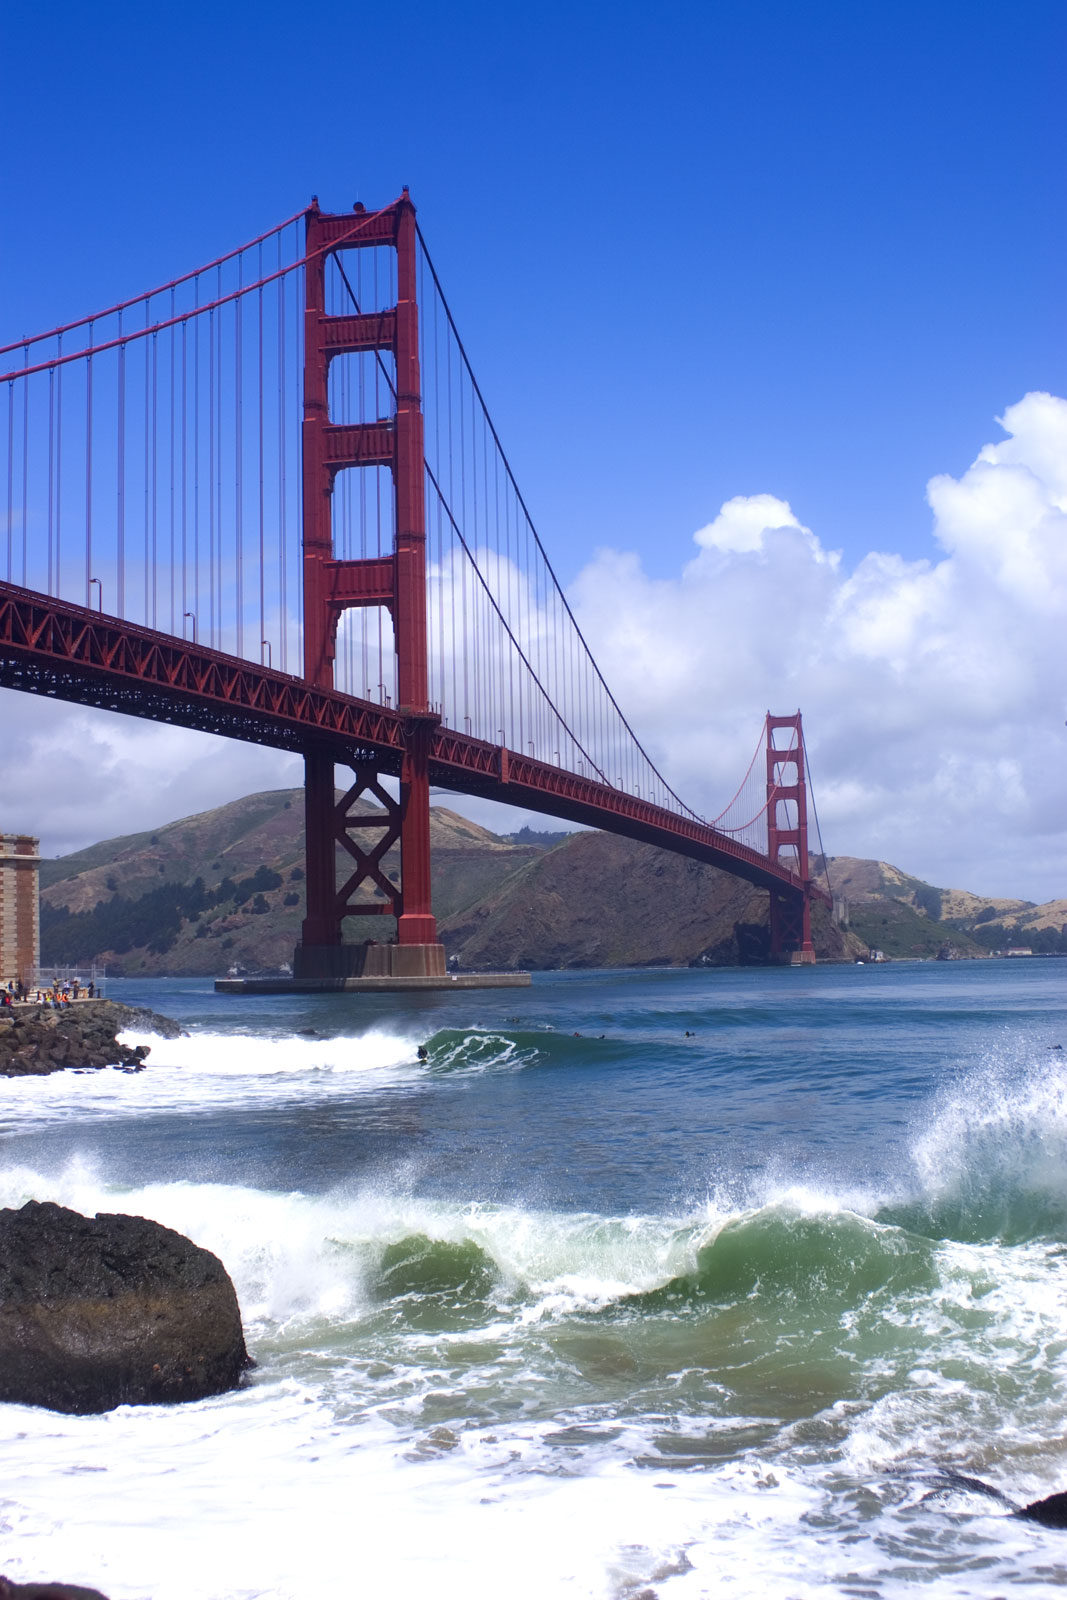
(416, 924)
(71, 652)
(385, 820)
(397, 582)
(790, 920)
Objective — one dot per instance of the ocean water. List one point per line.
(670, 1284)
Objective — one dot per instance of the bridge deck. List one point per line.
(70, 652)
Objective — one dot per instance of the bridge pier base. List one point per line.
(790, 929)
(797, 958)
(370, 960)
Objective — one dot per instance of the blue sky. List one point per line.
(695, 251)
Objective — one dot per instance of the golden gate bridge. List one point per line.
(267, 500)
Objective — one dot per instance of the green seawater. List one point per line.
(670, 1283)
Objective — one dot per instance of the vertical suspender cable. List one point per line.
(262, 579)
(211, 474)
(238, 429)
(478, 639)
(10, 467)
(173, 438)
(184, 513)
(89, 465)
(120, 551)
(147, 477)
(198, 325)
(51, 472)
(216, 576)
(25, 458)
(283, 619)
(153, 354)
(59, 469)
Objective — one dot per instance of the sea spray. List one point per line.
(991, 1159)
(588, 1316)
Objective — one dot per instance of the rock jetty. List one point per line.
(47, 1591)
(98, 1312)
(34, 1041)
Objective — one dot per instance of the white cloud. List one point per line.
(744, 523)
(933, 691)
(73, 776)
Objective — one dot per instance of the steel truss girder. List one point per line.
(369, 862)
(788, 928)
(69, 652)
(357, 334)
(52, 647)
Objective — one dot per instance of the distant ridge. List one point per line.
(225, 888)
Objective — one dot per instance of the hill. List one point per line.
(905, 917)
(226, 888)
(598, 900)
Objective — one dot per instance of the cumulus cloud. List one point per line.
(73, 776)
(933, 691)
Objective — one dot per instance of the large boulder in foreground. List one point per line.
(104, 1311)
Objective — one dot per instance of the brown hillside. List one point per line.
(226, 888)
(858, 880)
(233, 842)
(598, 900)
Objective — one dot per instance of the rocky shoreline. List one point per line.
(82, 1037)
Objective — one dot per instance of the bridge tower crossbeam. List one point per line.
(396, 582)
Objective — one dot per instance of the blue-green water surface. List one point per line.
(709, 1275)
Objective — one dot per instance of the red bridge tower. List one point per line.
(787, 836)
(396, 581)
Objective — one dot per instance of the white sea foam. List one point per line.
(237, 1055)
(373, 1454)
(264, 1494)
(999, 1134)
(296, 1255)
(336, 1469)
(216, 1070)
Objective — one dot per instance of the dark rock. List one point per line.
(47, 1591)
(34, 1041)
(97, 1312)
(142, 1019)
(1050, 1512)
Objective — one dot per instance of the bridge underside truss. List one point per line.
(68, 652)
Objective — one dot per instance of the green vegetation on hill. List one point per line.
(226, 887)
(1015, 936)
(901, 933)
(153, 921)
